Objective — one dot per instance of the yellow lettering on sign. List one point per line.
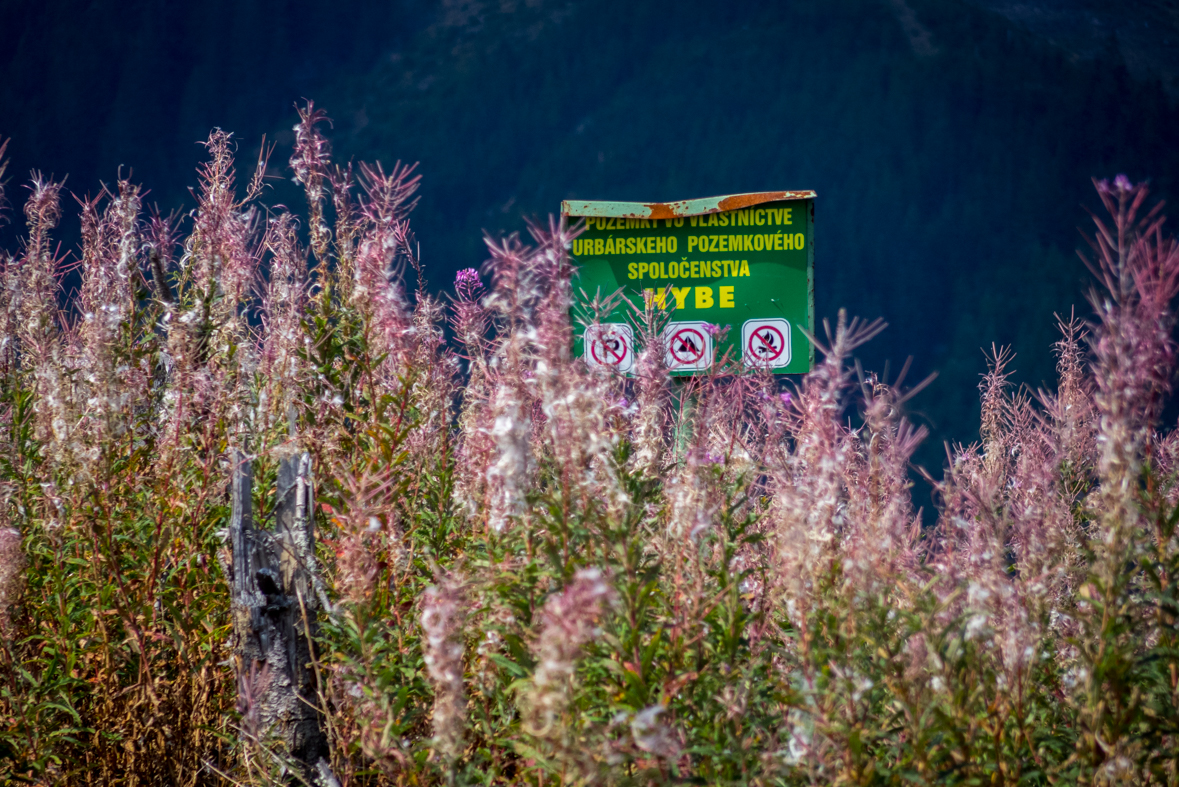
(744, 268)
(759, 217)
(726, 297)
(635, 270)
(703, 297)
(681, 296)
(658, 297)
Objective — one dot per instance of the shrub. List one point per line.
(534, 571)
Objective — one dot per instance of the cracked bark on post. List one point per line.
(274, 611)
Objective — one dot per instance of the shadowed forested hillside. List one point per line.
(951, 151)
(951, 159)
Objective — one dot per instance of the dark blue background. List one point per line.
(952, 159)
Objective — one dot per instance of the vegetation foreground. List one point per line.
(530, 571)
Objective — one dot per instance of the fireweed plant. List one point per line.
(532, 571)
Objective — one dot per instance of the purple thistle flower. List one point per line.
(468, 284)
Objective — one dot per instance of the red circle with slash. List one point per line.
(759, 344)
(687, 352)
(613, 346)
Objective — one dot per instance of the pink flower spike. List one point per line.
(468, 284)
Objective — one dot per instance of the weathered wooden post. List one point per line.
(274, 611)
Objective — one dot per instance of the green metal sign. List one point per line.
(745, 261)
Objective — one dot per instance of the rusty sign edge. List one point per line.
(679, 209)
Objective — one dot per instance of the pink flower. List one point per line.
(468, 284)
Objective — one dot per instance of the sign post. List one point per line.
(746, 261)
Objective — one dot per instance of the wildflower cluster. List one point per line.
(531, 570)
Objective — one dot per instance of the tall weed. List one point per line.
(534, 571)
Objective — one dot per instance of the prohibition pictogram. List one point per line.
(609, 350)
(610, 345)
(689, 347)
(766, 342)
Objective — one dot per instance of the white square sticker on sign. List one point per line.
(765, 344)
(611, 345)
(688, 346)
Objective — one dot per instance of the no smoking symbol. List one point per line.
(687, 346)
(766, 343)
